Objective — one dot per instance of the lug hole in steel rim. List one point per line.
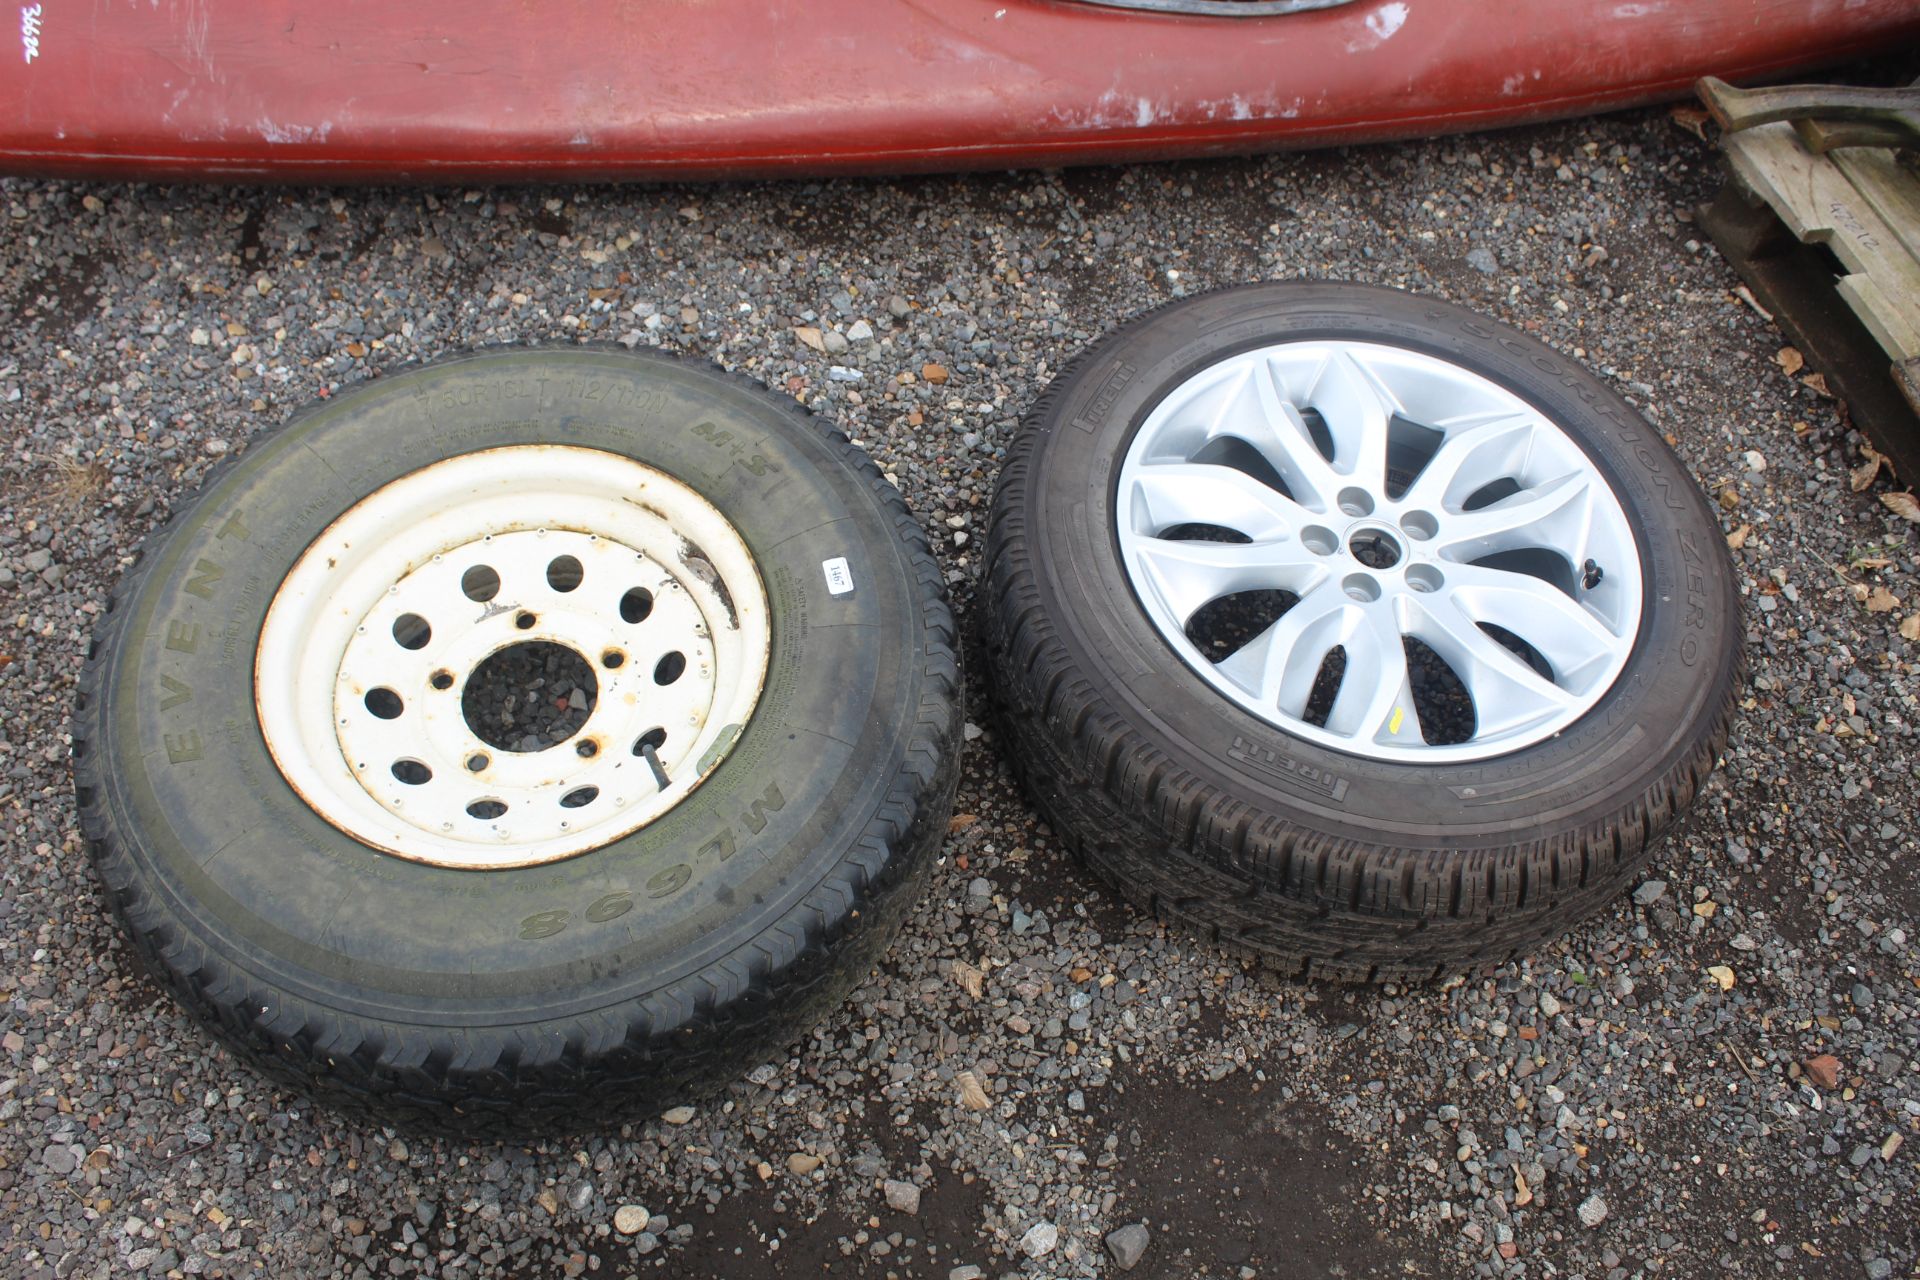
(564, 573)
(586, 748)
(636, 604)
(442, 680)
(524, 621)
(480, 583)
(1403, 557)
(612, 658)
(477, 762)
(410, 631)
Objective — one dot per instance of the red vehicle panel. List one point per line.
(672, 89)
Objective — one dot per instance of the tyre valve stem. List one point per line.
(653, 762)
(1591, 574)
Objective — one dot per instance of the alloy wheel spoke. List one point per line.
(1571, 637)
(1506, 692)
(1278, 666)
(1375, 702)
(1554, 514)
(1177, 493)
(1357, 410)
(1470, 458)
(1280, 434)
(1189, 575)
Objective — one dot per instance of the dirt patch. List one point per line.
(1231, 1175)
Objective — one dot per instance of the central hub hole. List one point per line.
(1374, 548)
(527, 697)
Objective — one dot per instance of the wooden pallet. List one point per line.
(1831, 245)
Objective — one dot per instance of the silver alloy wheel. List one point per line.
(372, 639)
(1392, 496)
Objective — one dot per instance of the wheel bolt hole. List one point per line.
(564, 573)
(651, 740)
(612, 658)
(1320, 540)
(412, 772)
(524, 621)
(1419, 525)
(1361, 586)
(385, 703)
(441, 679)
(636, 605)
(410, 631)
(579, 798)
(1424, 577)
(477, 762)
(670, 668)
(586, 748)
(1356, 502)
(486, 810)
(480, 583)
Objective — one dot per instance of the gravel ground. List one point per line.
(1610, 1108)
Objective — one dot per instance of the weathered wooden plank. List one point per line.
(1821, 205)
(1888, 186)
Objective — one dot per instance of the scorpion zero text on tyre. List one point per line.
(1351, 629)
(524, 734)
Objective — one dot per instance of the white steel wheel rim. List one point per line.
(660, 572)
(1478, 535)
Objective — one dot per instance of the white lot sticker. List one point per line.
(839, 576)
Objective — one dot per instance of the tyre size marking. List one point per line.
(839, 575)
(638, 400)
(754, 464)
(206, 578)
(1271, 762)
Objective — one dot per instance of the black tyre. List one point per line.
(627, 776)
(1321, 667)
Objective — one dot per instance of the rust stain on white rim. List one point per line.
(373, 636)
